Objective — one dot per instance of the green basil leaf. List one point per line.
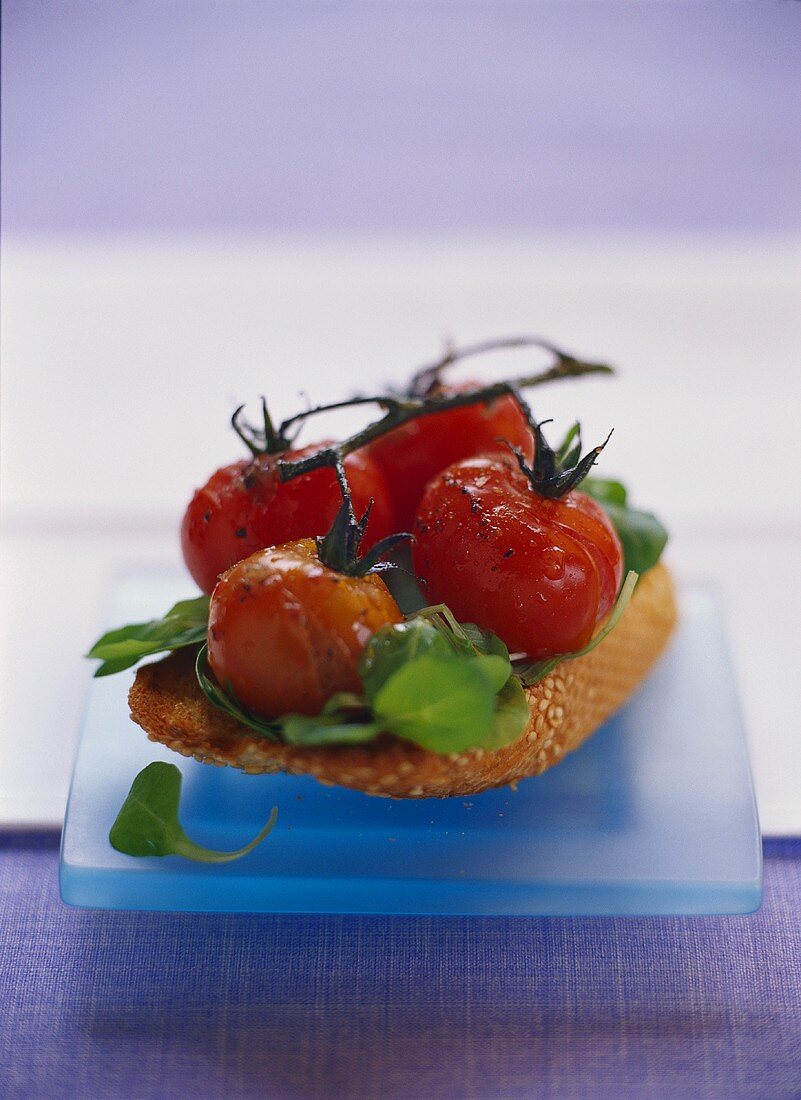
(604, 490)
(444, 704)
(494, 668)
(196, 610)
(183, 625)
(511, 715)
(344, 720)
(148, 823)
(346, 702)
(464, 638)
(568, 452)
(445, 623)
(396, 644)
(484, 641)
(641, 534)
(299, 729)
(108, 668)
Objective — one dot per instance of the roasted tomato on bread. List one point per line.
(411, 455)
(513, 632)
(246, 506)
(286, 631)
(539, 572)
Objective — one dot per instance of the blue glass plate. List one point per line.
(655, 814)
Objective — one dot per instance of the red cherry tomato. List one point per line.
(245, 507)
(412, 454)
(286, 632)
(540, 573)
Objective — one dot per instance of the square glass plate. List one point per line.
(655, 814)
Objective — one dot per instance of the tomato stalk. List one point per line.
(551, 474)
(400, 412)
(426, 381)
(265, 441)
(339, 549)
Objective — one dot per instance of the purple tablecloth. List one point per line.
(154, 1005)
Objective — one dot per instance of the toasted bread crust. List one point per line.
(566, 707)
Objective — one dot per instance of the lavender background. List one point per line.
(309, 116)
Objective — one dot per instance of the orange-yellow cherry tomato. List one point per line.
(286, 632)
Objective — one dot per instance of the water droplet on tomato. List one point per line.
(553, 563)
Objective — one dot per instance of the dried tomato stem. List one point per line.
(344, 488)
(265, 441)
(425, 380)
(339, 548)
(401, 412)
(549, 476)
(385, 402)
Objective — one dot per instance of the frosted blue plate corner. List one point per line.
(654, 815)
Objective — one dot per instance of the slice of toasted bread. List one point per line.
(566, 707)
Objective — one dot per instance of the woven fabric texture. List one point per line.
(162, 1005)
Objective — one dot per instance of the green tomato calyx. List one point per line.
(339, 549)
(267, 440)
(554, 473)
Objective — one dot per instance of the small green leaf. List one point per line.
(511, 715)
(346, 702)
(495, 669)
(298, 729)
(445, 623)
(108, 668)
(396, 644)
(195, 610)
(604, 490)
(484, 641)
(641, 534)
(569, 450)
(464, 638)
(442, 704)
(183, 625)
(148, 823)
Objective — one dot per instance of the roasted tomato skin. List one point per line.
(412, 454)
(540, 573)
(286, 632)
(245, 507)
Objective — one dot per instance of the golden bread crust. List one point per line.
(566, 707)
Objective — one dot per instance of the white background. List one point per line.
(124, 357)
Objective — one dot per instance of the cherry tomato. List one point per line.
(412, 454)
(540, 573)
(286, 632)
(245, 507)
